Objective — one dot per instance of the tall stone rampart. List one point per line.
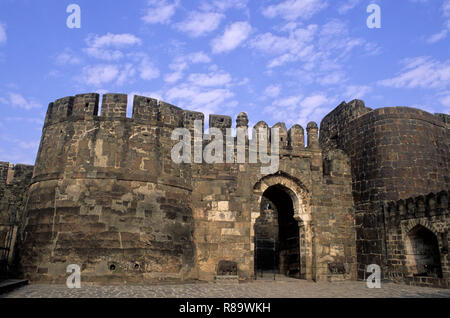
(395, 153)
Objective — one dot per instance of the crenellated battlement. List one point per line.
(220, 121)
(82, 140)
(10, 173)
(145, 108)
(4, 167)
(150, 111)
(297, 136)
(433, 204)
(113, 107)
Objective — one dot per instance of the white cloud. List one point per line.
(18, 150)
(200, 23)
(282, 108)
(222, 6)
(127, 72)
(314, 101)
(306, 109)
(181, 63)
(421, 72)
(320, 51)
(160, 11)
(445, 101)
(173, 77)
(204, 92)
(106, 47)
(294, 9)
(444, 32)
(199, 57)
(99, 74)
(177, 66)
(347, 5)
(332, 78)
(18, 101)
(294, 43)
(67, 58)
(212, 79)
(112, 40)
(148, 70)
(272, 90)
(372, 48)
(313, 45)
(118, 74)
(111, 47)
(313, 108)
(2, 34)
(108, 55)
(199, 99)
(446, 8)
(438, 36)
(289, 102)
(233, 36)
(356, 91)
(334, 35)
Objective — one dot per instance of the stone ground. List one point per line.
(285, 288)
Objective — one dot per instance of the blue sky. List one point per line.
(287, 60)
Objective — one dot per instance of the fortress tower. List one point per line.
(105, 194)
(396, 153)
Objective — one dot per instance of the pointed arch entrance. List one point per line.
(277, 240)
(281, 227)
(422, 252)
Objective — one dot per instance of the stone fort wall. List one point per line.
(14, 182)
(106, 195)
(395, 153)
(418, 259)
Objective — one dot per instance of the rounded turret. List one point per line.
(106, 195)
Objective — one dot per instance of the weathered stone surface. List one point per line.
(417, 240)
(14, 182)
(395, 153)
(106, 195)
(281, 288)
(227, 268)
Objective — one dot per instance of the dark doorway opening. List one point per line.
(277, 242)
(423, 250)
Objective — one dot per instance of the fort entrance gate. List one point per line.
(282, 227)
(277, 241)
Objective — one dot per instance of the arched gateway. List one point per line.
(422, 253)
(281, 230)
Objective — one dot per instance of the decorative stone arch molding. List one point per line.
(301, 199)
(294, 187)
(412, 223)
